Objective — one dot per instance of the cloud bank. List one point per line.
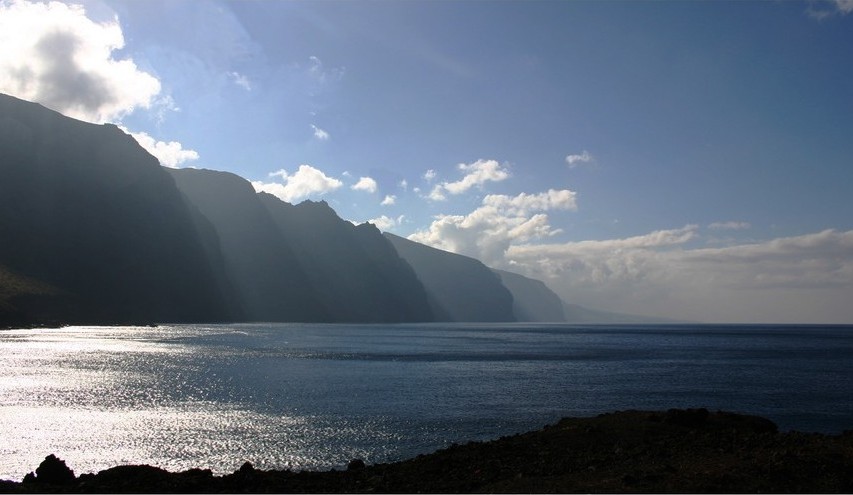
(802, 278)
(53, 54)
(487, 232)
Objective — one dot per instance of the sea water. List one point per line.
(315, 396)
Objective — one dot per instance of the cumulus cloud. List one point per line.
(54, 54)
(578, 160)
(365, 184)
(386, 223)
(487, 232)
(429, 175)
(171, 154)
(390, 199)
(320, 134)
(521, 204)
(476, 174)
(729, 226)
(404, 184)
(307, 181)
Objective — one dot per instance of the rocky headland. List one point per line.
(685, 451)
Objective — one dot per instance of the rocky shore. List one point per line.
(685, 451)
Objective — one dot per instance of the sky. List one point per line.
(690, 160)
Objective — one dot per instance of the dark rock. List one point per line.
(53, 470)
(755, 424)
(691, 418)
(727, 453)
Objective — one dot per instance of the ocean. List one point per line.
(303, 396)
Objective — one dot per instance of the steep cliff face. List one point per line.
(269, 280)
(532, 300)
(94, 230)
(86, 211)
(460, 288)
(354, 269)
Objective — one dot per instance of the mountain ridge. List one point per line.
(104, 234)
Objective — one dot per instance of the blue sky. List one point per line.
(683, 159)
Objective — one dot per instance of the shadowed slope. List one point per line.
(355, 271)
(460, 288)
(85, 210)
(267, 275)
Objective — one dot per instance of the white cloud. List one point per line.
(429, 175)
(171, 154)
(386, 223)
(844, 6)
(437, 194)
(404, 184)
(323, 75)
(801, 278)
(366, 184)
(823, 9)
(476, 174)
(320, 134)
(551, 200)
(577, 160)
(53, 54)
(241, 80)
(487, 232)
(729, 226)
(307, 181)
(390, 199)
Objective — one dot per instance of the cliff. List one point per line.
(95, 226)
(459, 288)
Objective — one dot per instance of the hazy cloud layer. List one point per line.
(476, 174)
(171, 154)
(788, 279)
(307, 181)
(729, 226)
(55, 55)
(501, 220)
(823, 9)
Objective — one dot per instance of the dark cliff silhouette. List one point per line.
(269, 282)
(460, 288)
(92, 228)
(302, 262)
(532, 300)
(353, 269)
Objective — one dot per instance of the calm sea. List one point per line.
(315, 396)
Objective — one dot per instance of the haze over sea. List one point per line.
(315, 396)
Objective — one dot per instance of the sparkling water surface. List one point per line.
(315, 396)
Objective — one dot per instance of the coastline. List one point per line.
(686, 451)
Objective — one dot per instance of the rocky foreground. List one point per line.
(632, 451)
